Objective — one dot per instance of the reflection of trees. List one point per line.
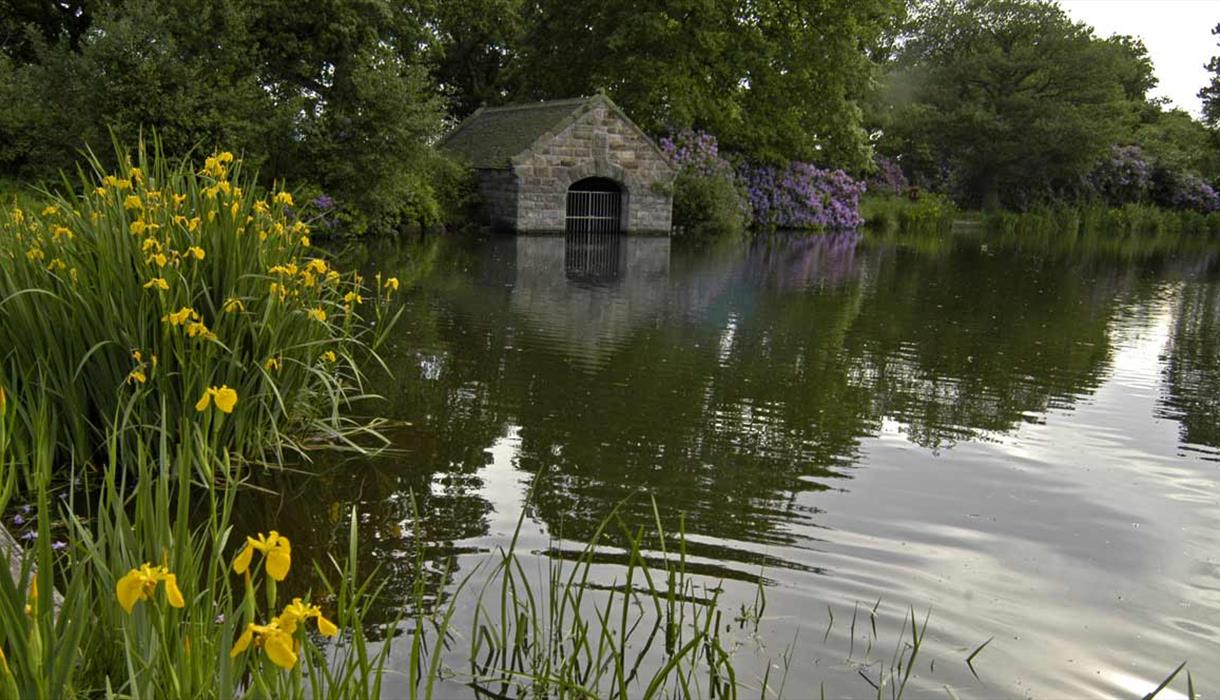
(971, 342)
(1192, 372)
(722, 384)
(438, 441)
(767, 395)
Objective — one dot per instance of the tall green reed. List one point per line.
(175, 325)
(137, 291)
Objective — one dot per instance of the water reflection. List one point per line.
(587, 292)
(1192, 372)
(843, 418)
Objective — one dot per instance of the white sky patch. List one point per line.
(1176, 32)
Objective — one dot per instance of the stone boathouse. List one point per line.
(575, 165)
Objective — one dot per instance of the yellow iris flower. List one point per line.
(273, 363)
(157, 282)
(276, 549)
(140, 584)
(297, 612)
(181, 316)
(392, 284)
(276, 637)
(329, 356)
(276, 643)
(316, 314)
(283, 198)
(224, 397)
(233, 304)
(137, 377)
(195, 252)
(199, 329)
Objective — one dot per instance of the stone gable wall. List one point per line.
(597, 144)
(499, 190)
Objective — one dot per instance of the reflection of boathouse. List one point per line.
(589, 292)
(567, 165)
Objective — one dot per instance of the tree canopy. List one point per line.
(1210, 94)
(774, 79)
(995, 101)
(1011, 97)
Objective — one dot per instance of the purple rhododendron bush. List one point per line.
(716, 192)
(803, 195)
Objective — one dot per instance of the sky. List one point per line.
(1177, 34)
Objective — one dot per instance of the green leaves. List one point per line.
(1012, 96)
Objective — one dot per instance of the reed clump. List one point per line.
(166, 289)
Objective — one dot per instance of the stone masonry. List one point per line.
(578, 139)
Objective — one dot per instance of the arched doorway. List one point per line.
(595, 205)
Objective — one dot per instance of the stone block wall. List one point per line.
(598, 143)
(499, 190)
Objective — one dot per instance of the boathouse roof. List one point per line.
(491, 136)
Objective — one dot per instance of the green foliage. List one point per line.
(1130, 220)
(1011, 96)
(779, 82)
(709, 206)
(928, 213)
(1210, 93)
(141, 290)
(334, 94)
(1177, 142)
(65, 633)
(475, 42)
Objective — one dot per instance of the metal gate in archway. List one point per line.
(595, 205)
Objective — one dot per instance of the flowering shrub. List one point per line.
(697, 153)
(1193, 193)
(888, 178)
(708, 199)
(1123, 176)
(803, 196)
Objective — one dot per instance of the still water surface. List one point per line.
(1021, 437)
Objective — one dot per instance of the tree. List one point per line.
(779, 80)
(1011, 96)
(1177, 141)
(1210, 94)
(475, 42)
(26, 23)
(331, 94)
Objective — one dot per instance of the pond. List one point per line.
(1016, 438)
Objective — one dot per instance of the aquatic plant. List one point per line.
(164, 286)
(927, 214)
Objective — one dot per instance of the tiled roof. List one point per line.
(490, 137)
